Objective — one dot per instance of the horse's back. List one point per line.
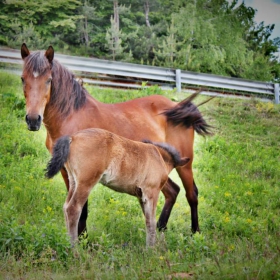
(153, 103)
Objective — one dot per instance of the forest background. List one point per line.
(208, 36)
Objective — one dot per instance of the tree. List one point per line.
(85, 27)
(51, 19)
(210, 36)
(113, 39)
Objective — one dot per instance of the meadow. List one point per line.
(237, 172)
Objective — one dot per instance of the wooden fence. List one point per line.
(128, 75)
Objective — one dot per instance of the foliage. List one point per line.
(237, 173)
(209, 36)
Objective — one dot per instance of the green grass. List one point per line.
(237, 172)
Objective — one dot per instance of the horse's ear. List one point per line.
(24, 51)
(50, 54)
(183, 161)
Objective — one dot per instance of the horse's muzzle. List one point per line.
(33, 123)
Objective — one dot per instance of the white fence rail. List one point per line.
(120, 74)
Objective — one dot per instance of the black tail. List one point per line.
(186, 113)
(59, 157)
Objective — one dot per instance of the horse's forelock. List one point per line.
(36, 64)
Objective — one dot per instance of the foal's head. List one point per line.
(169, 154)
(36, 80)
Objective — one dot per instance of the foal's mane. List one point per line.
(67, 94)
(174, 154)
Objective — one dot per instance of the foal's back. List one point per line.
(119, 163)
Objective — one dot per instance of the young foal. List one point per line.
(96, 155)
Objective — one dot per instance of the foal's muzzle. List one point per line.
(33, 123)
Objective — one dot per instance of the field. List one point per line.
(237, 171)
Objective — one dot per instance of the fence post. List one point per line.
(178, 80)
(276, 93)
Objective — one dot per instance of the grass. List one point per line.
(236, 170)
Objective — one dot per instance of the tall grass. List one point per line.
(236, 170)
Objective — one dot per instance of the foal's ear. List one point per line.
(50, 54)
(183, 161)
(24, 51)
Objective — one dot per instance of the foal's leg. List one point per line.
(186, 176)
(69, 196)
(82, 227)
(148, 204)
(170, 192)
(74, 208)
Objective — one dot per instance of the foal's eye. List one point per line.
(22, 80)
(48, 81)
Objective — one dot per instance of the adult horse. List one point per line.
(54, 97)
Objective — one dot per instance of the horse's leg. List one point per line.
(148, 203)
(186, 176)
(170, 192)
(82, 227)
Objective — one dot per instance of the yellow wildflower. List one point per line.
(231, 247)
(227, 219)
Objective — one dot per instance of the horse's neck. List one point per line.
(52, 121)
(58, 124)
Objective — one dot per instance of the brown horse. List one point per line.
(96, 155)
(54, 97)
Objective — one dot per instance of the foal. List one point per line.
(96, 155)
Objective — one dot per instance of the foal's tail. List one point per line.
(59, 157)
(187, 114)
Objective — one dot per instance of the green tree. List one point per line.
(85, 27)
(210, 36)
(113, 39)
(52, 20)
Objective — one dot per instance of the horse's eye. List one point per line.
(48, 81)
(22, 80)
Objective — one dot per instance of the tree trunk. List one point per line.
(86, 32)
(116, 26)
(116, 15)
(147, 9)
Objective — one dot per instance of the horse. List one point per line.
(54, 97)
(97, 155)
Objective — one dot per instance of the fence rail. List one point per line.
(120, 74)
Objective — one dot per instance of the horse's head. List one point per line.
(36, 80)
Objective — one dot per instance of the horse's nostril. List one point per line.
(39, 118)
(26, 118)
